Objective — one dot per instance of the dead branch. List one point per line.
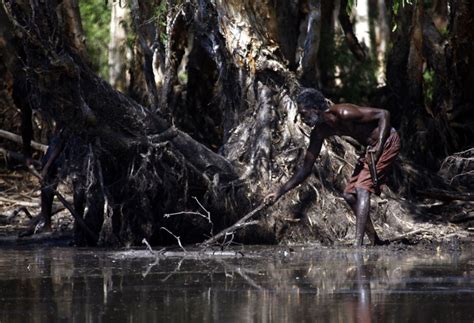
(16, 138)
(239, 224)
(406, 235)
(16, 202)
(176, 237)
(206, 216)
(444, 195)
(462, 219)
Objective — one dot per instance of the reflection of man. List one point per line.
(361, 305)
(370, 127)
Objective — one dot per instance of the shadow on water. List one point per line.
(267, 284)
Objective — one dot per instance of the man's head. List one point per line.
(311, 105)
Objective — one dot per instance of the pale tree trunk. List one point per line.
(361, 26)
(119, 53)
(380, 34)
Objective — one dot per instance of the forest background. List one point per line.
(188, 107)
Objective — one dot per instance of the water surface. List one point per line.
(258, 284)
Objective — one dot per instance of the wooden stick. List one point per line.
(17, 202)
(15, 138)
(237, 225)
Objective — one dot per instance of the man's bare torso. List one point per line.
(346, 119)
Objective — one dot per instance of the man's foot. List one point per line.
(357, 244)
(381, 242)
(37, 225)
(27, 232)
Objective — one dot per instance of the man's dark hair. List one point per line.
(312, 98)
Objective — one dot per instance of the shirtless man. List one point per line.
(50, 162)
(370, 127)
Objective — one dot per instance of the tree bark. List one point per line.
(73, 26)
(118, 49)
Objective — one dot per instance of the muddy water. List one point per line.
(258, 284)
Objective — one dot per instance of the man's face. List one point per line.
(311, 117)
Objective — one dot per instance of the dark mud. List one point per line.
(429, 283)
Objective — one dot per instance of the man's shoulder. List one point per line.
(349, 110)
(345, 106)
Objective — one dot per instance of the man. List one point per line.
(370, 127)
(50, 162)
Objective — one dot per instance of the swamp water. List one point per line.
(254, 284)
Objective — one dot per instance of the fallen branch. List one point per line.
(17, 202)
(15, 138)
(239, 224)
(176, 237)
(444, 195)
(406, 235)
(462, 219)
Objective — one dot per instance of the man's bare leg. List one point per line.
(47, 198)
(362, 208)
(351, 199)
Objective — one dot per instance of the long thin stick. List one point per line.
(237, 225)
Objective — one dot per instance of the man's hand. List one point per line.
(271, 198)
(375, 151)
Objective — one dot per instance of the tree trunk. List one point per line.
(119, 53)
(73, 26)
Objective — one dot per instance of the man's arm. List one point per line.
(303, 171)
(384, 131)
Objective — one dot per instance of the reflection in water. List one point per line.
(267, 285)
(360, 305)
